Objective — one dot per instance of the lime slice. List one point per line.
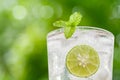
(82, 61)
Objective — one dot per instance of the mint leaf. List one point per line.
(68, 31)
(75, 19)
(60, 23)
(70, 25)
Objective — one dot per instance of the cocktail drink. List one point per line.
(87, 55)
(80, 52)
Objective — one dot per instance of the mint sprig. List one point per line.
(70, 25)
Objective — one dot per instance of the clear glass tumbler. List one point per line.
(58, 47)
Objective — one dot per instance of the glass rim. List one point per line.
(60, 30)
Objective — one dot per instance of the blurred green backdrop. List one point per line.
(24, 25)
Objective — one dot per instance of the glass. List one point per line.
(58, 47)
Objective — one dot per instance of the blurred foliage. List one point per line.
(24, 25)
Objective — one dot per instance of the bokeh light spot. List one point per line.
(77, 9)
(19, 12)
(36, 11)
(6, 4)
(115, 10)
(46, 12)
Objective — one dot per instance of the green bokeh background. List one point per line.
(24, 25)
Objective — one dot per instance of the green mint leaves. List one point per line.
(75, 19)
(70, 25)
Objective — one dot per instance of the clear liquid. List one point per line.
(58, 47)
